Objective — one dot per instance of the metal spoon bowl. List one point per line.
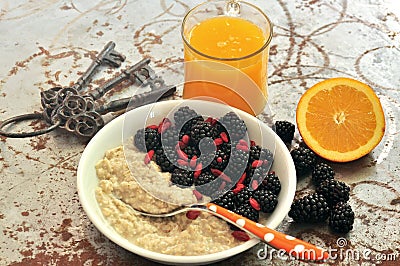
(294, 247)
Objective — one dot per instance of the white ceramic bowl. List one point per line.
(121, 128)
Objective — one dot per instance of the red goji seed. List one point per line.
(219, 160)
(224, 137)
(220, 174)
(152, 127)
(193, 162)
(160, 125)
(148, 156)
(222, 186)
(254, 204)
(266, 162)
(182, 162)
(185, 139)
(164, 126)
(197, 194)
(242, 147)
(165, 120)
(196, 174)
(242, 178)
(223, 176)
(182, 154)
(218, 141)
(243, 142)
(252, 143)
(214, 121)
(241, 236)
(197, 170)
(216, 172)
(209, 120)
(192, 215)
(199, 167)
(181, 145)
(254, 184)
(238, 188)
(256, 163)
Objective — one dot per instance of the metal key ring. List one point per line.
(24, 117)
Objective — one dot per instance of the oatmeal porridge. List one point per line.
(175, 235)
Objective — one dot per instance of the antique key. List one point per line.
(88, 122)
(108, 55)
(78, 113)
(129, 73)
(72, 103)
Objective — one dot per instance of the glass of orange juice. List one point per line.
(226, 49)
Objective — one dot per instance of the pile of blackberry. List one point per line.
(330, 199)
(215, 158)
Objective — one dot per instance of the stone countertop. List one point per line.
(47, 43)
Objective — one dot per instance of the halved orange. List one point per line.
(340, 119)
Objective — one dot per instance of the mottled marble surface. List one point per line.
(45, 43)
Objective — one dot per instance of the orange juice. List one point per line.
(226, 59)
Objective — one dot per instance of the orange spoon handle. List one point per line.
(294, 247)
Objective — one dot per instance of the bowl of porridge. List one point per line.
(117, 172)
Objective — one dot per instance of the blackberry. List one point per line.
(272, 183)
(227, 200)
(258, 153)
(226, 147)
(147, 139)
(243, 196)
(204, 178)
(202, 130)
(140, 140)
(304, 160)
(220, 160)
(203, 183)
(341, 218)
(182, 177)
(303, 144)
(285, 130)
(237, 164)
(169, 138)
(321, 172)
(220, 128)
(334, 191)
(266, 199)
(191, 151)
(310, 208)
(256, 174)
(207, 150)
(186, 128)
(185, 117)
(165, 158)
(233, 125)
(246, 210)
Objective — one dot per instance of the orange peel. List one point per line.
(340, 119)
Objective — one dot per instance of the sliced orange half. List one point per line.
(340, 119)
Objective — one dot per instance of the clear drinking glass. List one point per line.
(226, 50)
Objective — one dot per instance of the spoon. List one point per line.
(294, 247)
